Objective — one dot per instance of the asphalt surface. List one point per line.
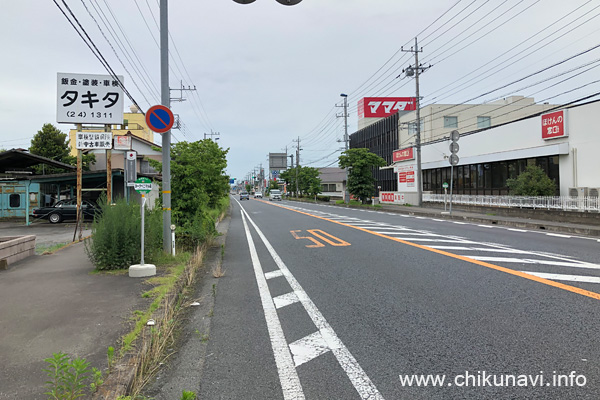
(393, 307)
(398, 308)
(47, 234)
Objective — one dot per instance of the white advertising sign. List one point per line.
(407, 181)
(122, 143)
(391, 198)
(89, 99)
(93, 140)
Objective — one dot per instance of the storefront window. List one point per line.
(499, 174)
(473, 168)
(487, 173)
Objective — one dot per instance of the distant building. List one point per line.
(333, 182)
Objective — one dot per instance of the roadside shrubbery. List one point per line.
(116, 235)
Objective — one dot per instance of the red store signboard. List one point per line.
(403, 155)
(381, 107)
(554, 125)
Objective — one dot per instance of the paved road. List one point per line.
(331, 303)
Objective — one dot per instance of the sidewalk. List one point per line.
(53, 303)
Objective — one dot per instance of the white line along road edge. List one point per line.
(362, 383)
(288, 376)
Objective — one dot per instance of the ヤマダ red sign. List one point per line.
(381, 107)
(554, 125)
(403, 154)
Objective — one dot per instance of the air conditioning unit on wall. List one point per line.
(594, 192)
(579, 192)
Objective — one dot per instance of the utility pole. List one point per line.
(297, 163)
(165, 96)
(345, 96)
(211, 134)
(409, 72)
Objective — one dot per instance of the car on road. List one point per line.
(66, 210)
(275, 194)
(258, 195)
(244, 195)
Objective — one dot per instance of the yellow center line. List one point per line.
(524, 275)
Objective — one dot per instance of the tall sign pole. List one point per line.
(166, 137)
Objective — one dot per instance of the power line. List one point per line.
(92, 46)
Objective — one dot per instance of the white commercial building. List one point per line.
(497, 142)
(564, 142)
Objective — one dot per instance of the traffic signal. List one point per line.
(453, 159)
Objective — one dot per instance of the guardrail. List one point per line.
(566, 203)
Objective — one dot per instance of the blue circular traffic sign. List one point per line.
(159, 119)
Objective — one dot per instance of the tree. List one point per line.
(360, 163)
(309, 181)
(51, 143)
(532, 182)
(198, 179)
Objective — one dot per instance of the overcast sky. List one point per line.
(267, 74)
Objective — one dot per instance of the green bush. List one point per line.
(116, 240)
(323, 198)
(532, 182)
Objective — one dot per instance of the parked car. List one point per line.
(275, 194)
(258, 195)
(66, 210)
(244, 195)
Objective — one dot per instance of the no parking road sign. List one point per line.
(159, 119)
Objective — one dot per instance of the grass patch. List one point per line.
(45, 249)
(173, 268)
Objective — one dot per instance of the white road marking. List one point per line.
(486, 226)
(288, 376)
(406, 232)
(460, 223)
(359, 379)
(438, 240)
(438, 220)
(308, 348)
(558, 235)
(273, 274)
(562, 277)
(516, 230)
(535, 261)
(285, 300)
